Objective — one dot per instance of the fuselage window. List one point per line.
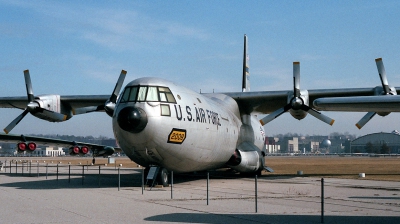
(165, 111)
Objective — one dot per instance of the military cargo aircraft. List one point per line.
(159, 123)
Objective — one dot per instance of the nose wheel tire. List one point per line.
(163, 178)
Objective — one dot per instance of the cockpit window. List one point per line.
(125, 96)
(142, 94)
(133, 92)
(152, 94)
(148, 94)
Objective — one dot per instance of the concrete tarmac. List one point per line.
(81, 195)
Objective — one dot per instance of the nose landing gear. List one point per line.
(158, 176)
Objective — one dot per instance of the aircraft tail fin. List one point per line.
(246, 74)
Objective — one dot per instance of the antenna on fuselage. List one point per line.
(246, 73)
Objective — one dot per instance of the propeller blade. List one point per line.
(386, 89)
(54, 115)
(296, 79)
(274, 115)
(382, 75)
(15, 122)
(118, 85)
(28, 84)
(318, 115)
(365, 119)
(109, 105)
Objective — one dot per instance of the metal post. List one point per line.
(208, 180)
(30, 168)
(119, 180)
(57, 171)
(142, 180)
(22, 169)
(83, 173)
(256, 191)
(322, 200)
(69, 173)
(47, 166)
(172, 183)
(99, 175)
(38, 169)
(10, 166)
(87, 166)
(16, 166)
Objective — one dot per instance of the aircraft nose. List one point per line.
(132, 119)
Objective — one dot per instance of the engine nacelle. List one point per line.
(297, 102)
(245, 162)
(78, 150)
(26, 147)
(298, 114)
(378, 91)
(105, 152)
(49, 108)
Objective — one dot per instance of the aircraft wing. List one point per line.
(74, 102)
(267, 102)
(97, 149)
(386, 103)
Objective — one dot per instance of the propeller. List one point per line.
(32, 107)
(109, 105)
(386, 91)
(298, 104)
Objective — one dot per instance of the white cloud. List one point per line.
(114, 28)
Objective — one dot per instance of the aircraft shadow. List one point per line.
(265, 218)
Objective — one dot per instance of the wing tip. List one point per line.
(333, 121)
(5, 131)
(262, 123)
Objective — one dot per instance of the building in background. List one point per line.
(271, 145)
(380, 143)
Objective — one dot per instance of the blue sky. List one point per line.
(80, 47)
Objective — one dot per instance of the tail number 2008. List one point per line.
(177, 136)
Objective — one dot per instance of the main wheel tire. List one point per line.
(164, 177)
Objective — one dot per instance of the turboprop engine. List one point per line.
(298, 103)
(245, 162)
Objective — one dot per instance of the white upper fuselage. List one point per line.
(197, 132)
